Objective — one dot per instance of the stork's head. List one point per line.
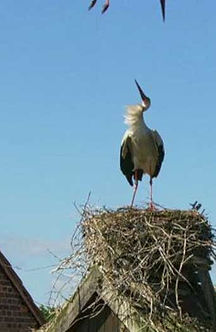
(146, 101)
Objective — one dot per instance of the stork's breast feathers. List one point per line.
(144, 152)
(148, 153)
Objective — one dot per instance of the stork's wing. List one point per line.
(160, 148)
(163, 4)
(126, 162)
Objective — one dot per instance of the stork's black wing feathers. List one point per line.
(161, 154)
(92, 4)
(126, 162)
(163, 4)
(160, 147)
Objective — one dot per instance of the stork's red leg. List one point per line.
(151, 196)
(106, 6)
(135, 187)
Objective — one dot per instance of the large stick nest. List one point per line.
(152, 257)
(156, 260)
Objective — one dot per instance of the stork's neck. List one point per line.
(134, 118)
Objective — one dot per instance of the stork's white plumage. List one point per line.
(142, 149)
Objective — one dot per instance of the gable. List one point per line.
(17, 309)
(104, 321)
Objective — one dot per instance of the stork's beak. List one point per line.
(142, 94)
(145, 100)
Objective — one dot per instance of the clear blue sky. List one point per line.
(66, 75)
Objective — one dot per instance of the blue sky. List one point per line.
(66, 76)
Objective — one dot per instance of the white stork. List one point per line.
(142, 149)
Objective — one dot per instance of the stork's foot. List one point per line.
(152, 207)
(92, 4)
